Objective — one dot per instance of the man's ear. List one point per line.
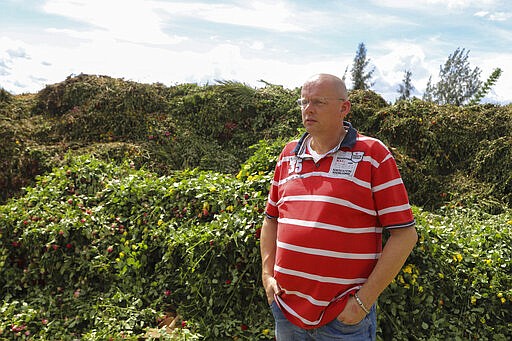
(345, 108)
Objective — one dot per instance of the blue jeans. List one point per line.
(366, 330)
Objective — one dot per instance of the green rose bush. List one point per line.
(97, 250)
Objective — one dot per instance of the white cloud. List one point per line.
(495, 16)
(394, 58)
(132, 21)
(449, 4)
(268, 15)
(257, 45)
(18, 53)
(139, 20)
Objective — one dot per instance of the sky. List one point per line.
(282, 42)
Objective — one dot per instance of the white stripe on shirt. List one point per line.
(393, 209)
(364, 184)
(327, 253)
(318, 278)
(324, 198)
(391, 183)
(315, 224)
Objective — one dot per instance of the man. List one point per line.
(334, 192)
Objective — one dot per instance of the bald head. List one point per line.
(334, 84)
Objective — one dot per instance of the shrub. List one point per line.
(97, 250)
(94, 244)
(365, 104)
(456, 284)
(5, 96)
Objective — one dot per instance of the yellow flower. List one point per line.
(457, 257)
(230, 208)
(408, 269)
(488, 261)
(440, 275)
(503, 300)
(265, 331)
(500, 295)
(160, 222)
(509, 222)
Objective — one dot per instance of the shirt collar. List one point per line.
(348, 141)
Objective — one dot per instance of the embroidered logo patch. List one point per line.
(344, 164)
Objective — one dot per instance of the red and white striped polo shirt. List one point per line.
(330, 219)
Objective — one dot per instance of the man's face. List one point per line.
(322, 109)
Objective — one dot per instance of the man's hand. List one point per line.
(353, 313)
(271, 288)
(395, 253)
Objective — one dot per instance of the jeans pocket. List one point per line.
(345, 328)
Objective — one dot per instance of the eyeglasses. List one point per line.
(317, 102)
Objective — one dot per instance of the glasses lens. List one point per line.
(302, 102)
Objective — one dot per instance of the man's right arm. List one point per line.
(268, 242)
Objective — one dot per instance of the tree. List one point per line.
(429, 91)
(457, 81)
(360, 79)
(493, 78)
(406, 87)
(345, 74)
